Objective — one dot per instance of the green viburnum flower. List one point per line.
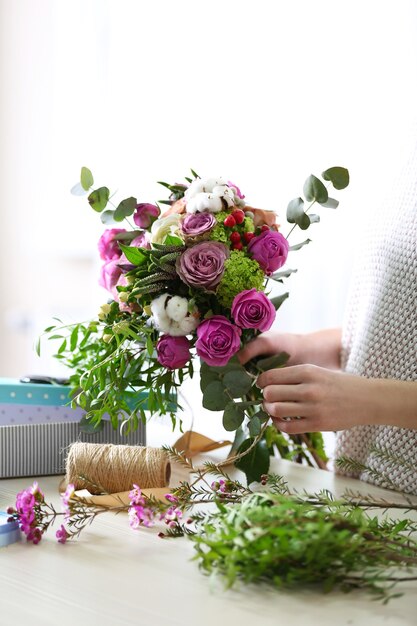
(219, 232)
(248, 225)
(240, 273)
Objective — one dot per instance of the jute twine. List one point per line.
(109, 468)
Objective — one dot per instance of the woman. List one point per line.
(361, 380)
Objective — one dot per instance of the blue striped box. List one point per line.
(37, 424)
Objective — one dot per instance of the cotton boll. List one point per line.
(158, 305)
(197, 186)
(211, 183)
(189, 324)
(204, 202)
(177, 308)
(163, 324)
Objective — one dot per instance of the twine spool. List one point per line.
(109, 468)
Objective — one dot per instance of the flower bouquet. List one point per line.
(189, 284)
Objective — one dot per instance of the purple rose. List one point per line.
(196, 224)
(108, 246)
(202, 265)
(217, 340)
(270, 249)
(252, 309)
(173, 352)
(145, 214)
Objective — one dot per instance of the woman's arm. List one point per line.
(319, 348)
(327, 400)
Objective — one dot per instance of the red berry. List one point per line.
(235, 237)
(239, 216)
(230, 221)
(264, 228)
(237, 246)
(248, 236)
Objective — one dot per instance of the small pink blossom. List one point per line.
(62, 534)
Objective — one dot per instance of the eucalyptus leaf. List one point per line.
(107, 217)
(89, 427)
(314, 190)
(314, 218)
(78, 190)
(338, 176)
(304, 221)
(254, 463)
(284, 274)
(295, 210)
(214, 397)
(278, 300)
(330, 204)
(125, 208)
(207, 377)
(237, 382)
(271, 362)
(98, 198)
(86, 178)
(233, 416)
(254, 426)
(298, 246)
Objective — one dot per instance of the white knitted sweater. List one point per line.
(379, 338)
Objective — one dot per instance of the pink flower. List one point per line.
(108, 245)
(35, 535)
(252, 309)
(218, 340)
(110, 275)
(269, 249)
(236, 189)
(145, 214)
(141, 241)
(62, 534)
(202, 266)
(173, 352)
(65, 499)
(135, 496)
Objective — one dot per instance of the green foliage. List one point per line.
(290, 541)
(99, 198)
(255, 460)
(338, 176)
(86, 178)
(314, 190)
(124, 209)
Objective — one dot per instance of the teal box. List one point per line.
(37, 424)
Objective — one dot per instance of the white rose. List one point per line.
(165, 226)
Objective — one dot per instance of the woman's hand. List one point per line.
(319, 348)
(324, 400)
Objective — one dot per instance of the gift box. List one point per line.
(37, 424)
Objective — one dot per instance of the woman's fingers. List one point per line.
(283, 409)
(260, 345)
(292, 375)
(284, 393)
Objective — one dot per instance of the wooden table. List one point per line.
(118, 577)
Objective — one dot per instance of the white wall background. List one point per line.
(264, 93)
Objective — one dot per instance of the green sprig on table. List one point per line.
(290, 541)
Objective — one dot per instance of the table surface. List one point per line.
(118, 577)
